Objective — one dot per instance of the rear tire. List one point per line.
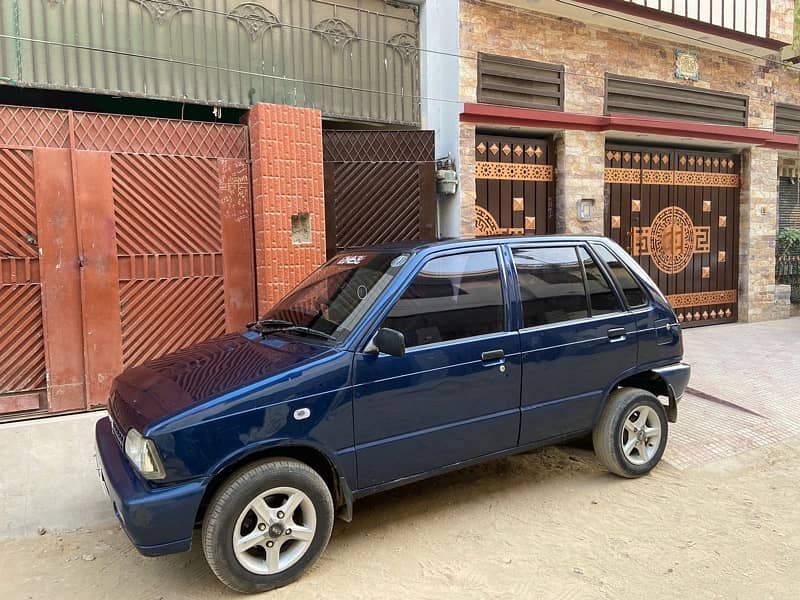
(267, 525)
(631, 434)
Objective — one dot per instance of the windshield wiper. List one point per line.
(307, 331)
(266, 326)
(268, 323)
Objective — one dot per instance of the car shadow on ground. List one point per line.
(436, 498)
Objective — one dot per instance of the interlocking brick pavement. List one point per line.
(753, 366)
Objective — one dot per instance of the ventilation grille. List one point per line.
(787, 118)
(666, 101)
(517, 82)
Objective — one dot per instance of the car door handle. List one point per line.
(616, 334)
(492, 355)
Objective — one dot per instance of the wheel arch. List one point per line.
(307, 454)
(653, 382)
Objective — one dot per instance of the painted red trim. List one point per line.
(488, 114)
(654, 14)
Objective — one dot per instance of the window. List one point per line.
(452, 297)
(334, 298)
(602, 298)
(551, 284)
(633, 292)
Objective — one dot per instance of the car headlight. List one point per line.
(143, 454)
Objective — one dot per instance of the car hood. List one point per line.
(164, 386)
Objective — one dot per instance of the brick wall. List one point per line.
(580, 174)
(286, 149)
(781, 22)
(758, 226)
(588, 53)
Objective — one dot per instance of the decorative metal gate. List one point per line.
(677, 212)
(379, 187)
(515, 185)
(122, 238)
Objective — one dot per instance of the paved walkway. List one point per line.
(744, 391)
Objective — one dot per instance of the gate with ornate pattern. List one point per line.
(514, 180)
(121, 238)
(677, 213)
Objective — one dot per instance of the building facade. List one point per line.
(668, 129)
(160, 158)
(170, 168)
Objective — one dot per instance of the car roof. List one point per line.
(466, 242)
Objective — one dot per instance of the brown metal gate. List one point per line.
(22, 364)
(514, 180)
(122, 238)
(379, 187)
(677, 212)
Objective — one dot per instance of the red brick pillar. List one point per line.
(288, 200)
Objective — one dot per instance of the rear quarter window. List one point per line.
(634, 294)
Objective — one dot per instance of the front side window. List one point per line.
(633, 292)
(602, 299)
(452, 297)
(551, 285)
(334, 298)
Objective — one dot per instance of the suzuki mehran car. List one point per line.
(387, 365)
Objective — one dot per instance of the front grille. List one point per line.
(115, 429)
(117, 433)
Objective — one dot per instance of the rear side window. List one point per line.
(551, 285)
(452, 297)
(633, 292)
(602, 298)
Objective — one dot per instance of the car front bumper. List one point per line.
(158, 520)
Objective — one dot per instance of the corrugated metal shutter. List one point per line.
(787, 118)
(788, 204)
(668, 101)
(517, 82)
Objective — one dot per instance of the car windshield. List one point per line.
(334, 298)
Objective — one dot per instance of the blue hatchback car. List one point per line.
(387, 365)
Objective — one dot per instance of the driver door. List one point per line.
(455, 395)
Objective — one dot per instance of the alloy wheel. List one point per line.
(641, 435)
(274, 530)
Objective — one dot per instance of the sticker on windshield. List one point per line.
(400, 260)
(354, 259)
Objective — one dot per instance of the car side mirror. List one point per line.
(388, 341)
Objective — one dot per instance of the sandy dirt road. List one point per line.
(547, 524)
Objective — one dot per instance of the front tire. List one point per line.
(631, 434)
(267, 525)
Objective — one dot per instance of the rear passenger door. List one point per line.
(576, 338)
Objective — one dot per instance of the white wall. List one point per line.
(439, 30)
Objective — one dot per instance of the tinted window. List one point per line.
(452, 297)
(633, 292)
(602, 298)
(551, 284)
